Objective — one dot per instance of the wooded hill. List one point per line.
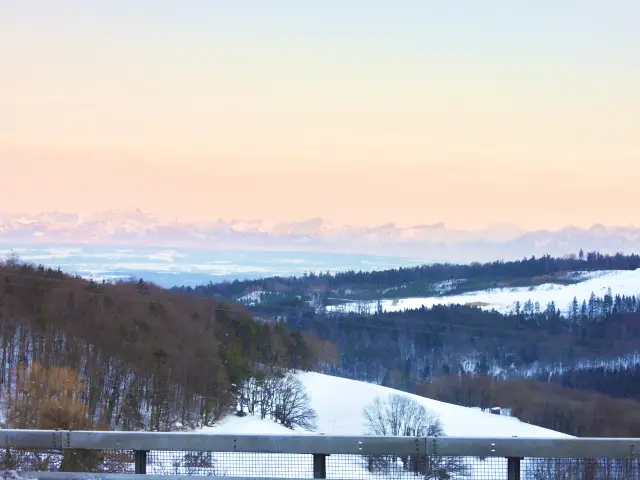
(149, 358)
(400, 348)
(423, 279)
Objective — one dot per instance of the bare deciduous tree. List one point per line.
(50, 398)
(281, 397)
(592, 469)
(196, 462)
(400, 415)
(292, 405)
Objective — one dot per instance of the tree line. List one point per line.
(149, 358)
(619, 381)
(476, 274)
(400, 348)
(581, 413)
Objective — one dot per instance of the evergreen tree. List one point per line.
(574, 310)
(583, 313)
(607, 302)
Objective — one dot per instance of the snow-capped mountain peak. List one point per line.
(434, 242)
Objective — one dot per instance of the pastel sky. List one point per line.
(361, 111)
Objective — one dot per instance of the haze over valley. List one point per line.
(121, 244)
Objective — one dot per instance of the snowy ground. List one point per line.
(339, 404)
(251, 298)
(504, 299)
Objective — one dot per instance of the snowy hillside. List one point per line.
(339, 404)
(624, 282)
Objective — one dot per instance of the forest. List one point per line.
(575, 412)
(400, 348)
(618, 380)
(144, 357)
(583, 359)
(133, 356)
(420, 280)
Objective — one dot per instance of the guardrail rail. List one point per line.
(81, 455)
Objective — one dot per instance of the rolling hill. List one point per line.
(339, 404)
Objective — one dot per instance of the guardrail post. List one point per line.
(141, 461)
(513, 468)
(319, 466)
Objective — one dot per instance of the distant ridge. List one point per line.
(433, 242)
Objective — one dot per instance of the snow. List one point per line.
(339, 404)
(440, 288)
(251, 298)
(447, 285)
(623, 282)
(13, 475)
(586, 275)
(341, 414)
(250, 425)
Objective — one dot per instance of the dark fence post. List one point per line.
(319, 465)
(141, 461)
(513, 468)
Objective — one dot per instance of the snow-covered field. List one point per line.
(504, 299)
(339, 404)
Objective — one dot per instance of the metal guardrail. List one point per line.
(326, 444)
(319, 446)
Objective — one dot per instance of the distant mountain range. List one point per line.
(428, 242)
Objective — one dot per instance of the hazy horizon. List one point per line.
(363, 113)
(131, 213)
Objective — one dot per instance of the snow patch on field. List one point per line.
(623, 282)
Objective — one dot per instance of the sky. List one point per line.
(363, 112)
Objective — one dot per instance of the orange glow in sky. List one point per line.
(400, 111)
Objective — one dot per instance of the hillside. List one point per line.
(574, 313)
(148, 358)
(341, 414)
(507, 300)
(424, 280)
(340, 404)
(399, 348)
(143, 357)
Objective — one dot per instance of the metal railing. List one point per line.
(47, 454)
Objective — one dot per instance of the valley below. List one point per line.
(551, 344)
